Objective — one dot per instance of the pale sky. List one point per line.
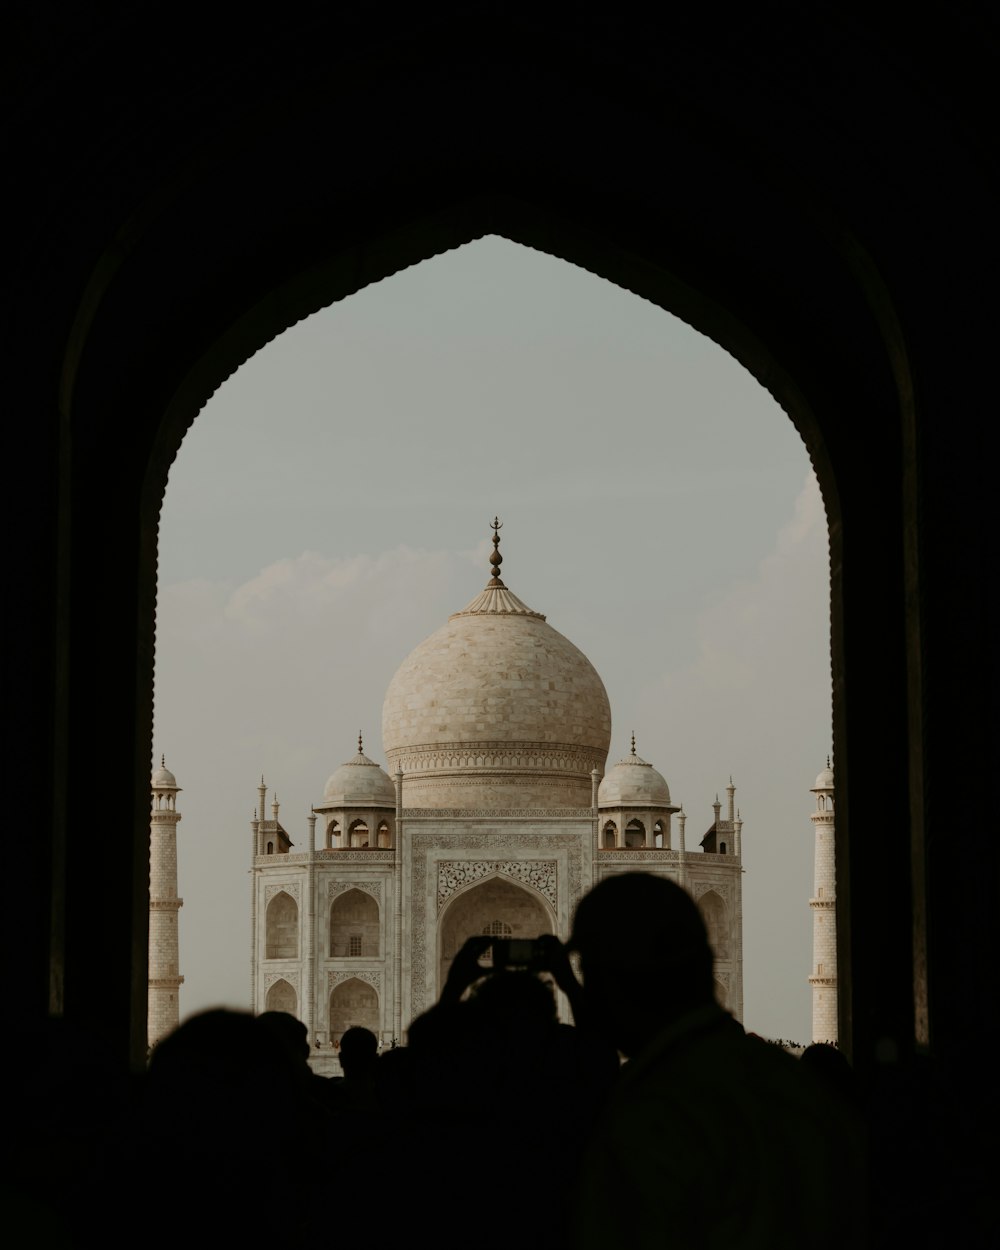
(330, 508)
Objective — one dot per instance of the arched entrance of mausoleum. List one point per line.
(497, 907)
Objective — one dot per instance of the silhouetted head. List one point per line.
(515, 999)
(644, 956)
(220, 1057)
(288, 1031)
(358, 1051)
(831, 1066)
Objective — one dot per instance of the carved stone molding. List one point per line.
(165, 904)
(374, 888)
(369, 975)
(498, 757)
(287, 887)
(456, 874)
(531, 842)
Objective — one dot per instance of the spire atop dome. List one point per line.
(496, 598)
(496, 559)
(634, 780)
(163, 778)
(359, 781)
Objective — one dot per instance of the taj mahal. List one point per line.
(494, 814)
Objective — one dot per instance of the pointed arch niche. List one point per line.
(281, 927)
(632, 456)
(353, 1004)
(281, 996)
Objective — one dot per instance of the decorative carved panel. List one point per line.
(374, 888)
(456, 874)
(372, 976)
(291, 977)
(290, 888)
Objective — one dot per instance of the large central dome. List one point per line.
(496, 709)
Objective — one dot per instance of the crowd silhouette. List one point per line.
(653, 1120)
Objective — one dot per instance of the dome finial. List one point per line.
(828, 761)
(496, 559)
(163, 761)
(633, 742)
(361, 749)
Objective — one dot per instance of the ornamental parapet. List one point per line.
(370, 855)
(823, 904)
(630, 854)
(824, 982)
(498, 813)
(357, 854)
(165, 983)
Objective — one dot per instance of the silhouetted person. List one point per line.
(501, 1096)
(224, 1106)
(831, 1066)
(712, 1138)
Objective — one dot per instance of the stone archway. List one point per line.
(492, 906)
(282, 997)
(716, 917)
(812, 340)
(282, 927)
(353, 1003)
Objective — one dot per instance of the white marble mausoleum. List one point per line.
(494, 813)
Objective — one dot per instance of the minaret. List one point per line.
(823, 905)
(164, 978)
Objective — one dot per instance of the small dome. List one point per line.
(163, 777)
(824, 780)
(359, 783)
(633, 783)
